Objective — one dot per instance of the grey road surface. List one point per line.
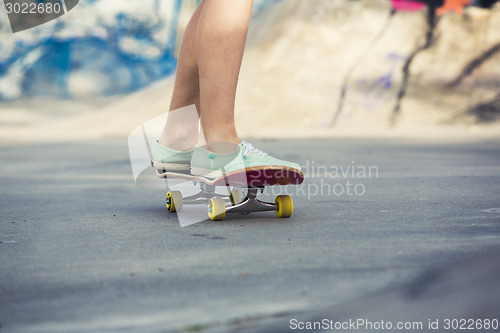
(84, 249)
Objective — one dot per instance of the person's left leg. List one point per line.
(221, 41)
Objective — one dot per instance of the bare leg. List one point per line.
(207, 74)
(222, 33)
(181, 129)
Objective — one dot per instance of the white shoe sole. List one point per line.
(170, 166)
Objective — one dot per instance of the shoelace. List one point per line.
(249, 149)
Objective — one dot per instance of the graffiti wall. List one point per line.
(102, 47)
(324, 64)
(356, 66)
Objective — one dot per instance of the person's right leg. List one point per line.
(209, 62)
(207, 75)
(181, 129)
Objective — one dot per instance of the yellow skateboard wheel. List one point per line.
(235, 197)
(284, 206)
(216, 209)
(174, 201)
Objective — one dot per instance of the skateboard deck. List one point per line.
(252, 180)
(250, 177)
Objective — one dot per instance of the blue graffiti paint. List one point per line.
(376, 89)
(45, 63)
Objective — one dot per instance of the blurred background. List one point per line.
(311, 68)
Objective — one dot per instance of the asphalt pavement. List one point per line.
(382, 228)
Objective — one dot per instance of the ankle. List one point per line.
(227, 136)
(180, 142)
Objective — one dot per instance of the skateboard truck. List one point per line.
(216, 203)
(252, 204)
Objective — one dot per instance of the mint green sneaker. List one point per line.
(167, 159)
(246, 157)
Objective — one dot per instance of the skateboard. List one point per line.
(250, 180)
